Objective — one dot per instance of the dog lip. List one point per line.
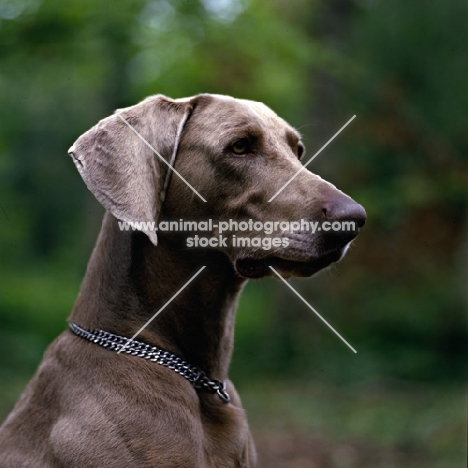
(253, 268)
(302, 242)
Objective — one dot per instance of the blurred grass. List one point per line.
(393, 424)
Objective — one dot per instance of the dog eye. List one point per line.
(241, 146)
(300, 151)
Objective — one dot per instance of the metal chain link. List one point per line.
(167, 359)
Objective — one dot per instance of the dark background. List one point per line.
(399, 296)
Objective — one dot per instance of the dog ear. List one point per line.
(118, 164)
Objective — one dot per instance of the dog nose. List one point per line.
(345, 217)
(343, 208)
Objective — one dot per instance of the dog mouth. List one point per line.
(252, 268)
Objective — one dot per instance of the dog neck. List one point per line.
(128, 280)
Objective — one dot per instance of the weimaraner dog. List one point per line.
(102, 400)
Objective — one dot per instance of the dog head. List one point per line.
(235, 161)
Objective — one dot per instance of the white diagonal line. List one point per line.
(162, 308)
(157, 154)
(311, 308)
(312, 158)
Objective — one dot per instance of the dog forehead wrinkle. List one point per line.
(217, 124)
(230, 118)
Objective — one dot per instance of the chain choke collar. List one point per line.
(152, 353)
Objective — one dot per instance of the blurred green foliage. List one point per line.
(400, 295)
